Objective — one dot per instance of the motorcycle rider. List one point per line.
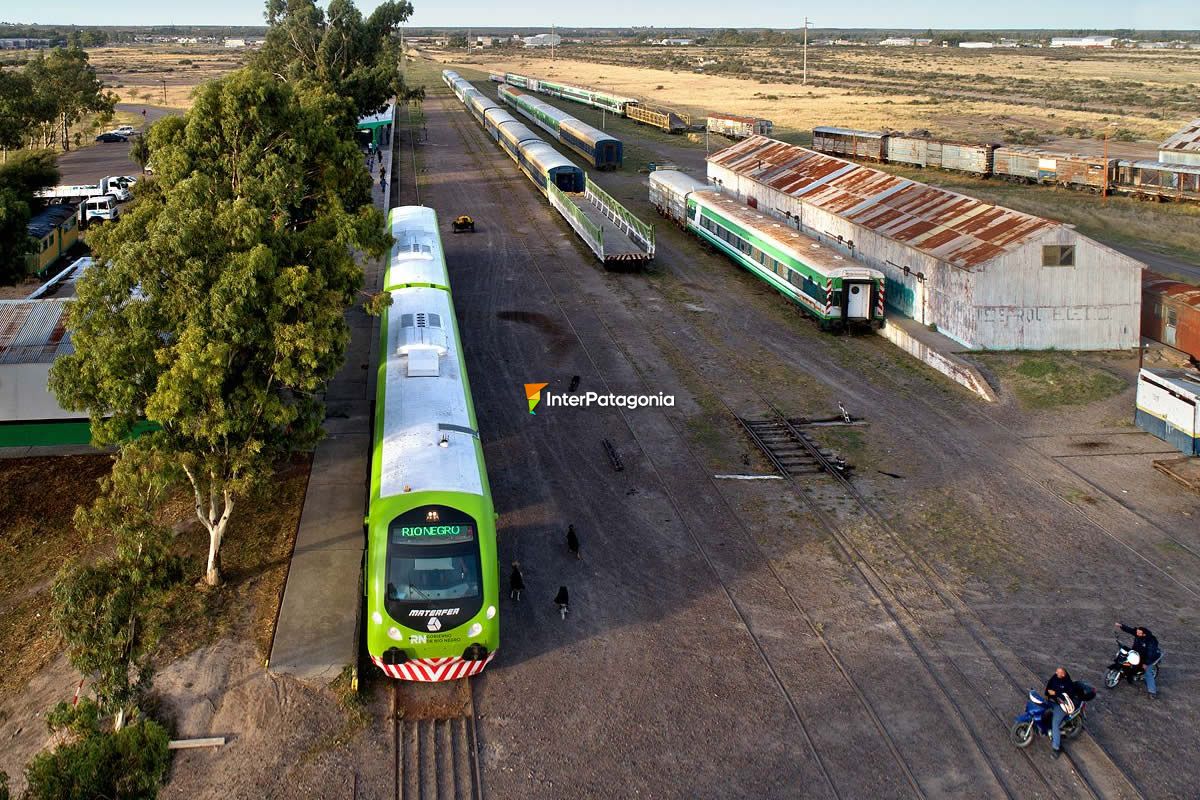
(1059, 691)
(1145, 644)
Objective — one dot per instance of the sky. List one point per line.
(922, 14)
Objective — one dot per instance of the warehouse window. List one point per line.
(1058, 255)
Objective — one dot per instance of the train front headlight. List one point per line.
(474, 630)
(491, 612)
(394, 633)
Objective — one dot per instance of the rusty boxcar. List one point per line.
(871, 145)
(736, 127)
(1031, 165)
(659, 117)
(1159, 180)
(1171, 313)
(940, 154)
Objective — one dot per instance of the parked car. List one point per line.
(103, 207)
(124, 130)
(109, 136)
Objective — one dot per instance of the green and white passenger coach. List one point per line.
(835, 289)
(431, 576)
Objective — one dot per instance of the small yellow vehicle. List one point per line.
(463, 224)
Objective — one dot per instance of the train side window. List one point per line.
(1058, 255)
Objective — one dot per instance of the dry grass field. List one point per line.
(1065, 98)
(161, 75)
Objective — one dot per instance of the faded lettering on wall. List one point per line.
(1020, 315)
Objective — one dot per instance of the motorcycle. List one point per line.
(1038, 717)
(1127, 664)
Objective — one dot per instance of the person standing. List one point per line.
(1145, 644)
(562, 600)
(1058, 691)
(573, 541)
(516, 582)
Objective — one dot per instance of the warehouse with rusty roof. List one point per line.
(1183, 146)
(986, 276)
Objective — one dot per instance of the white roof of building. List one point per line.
(419, 412)
(417, 256)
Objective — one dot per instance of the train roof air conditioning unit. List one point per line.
(423, 341)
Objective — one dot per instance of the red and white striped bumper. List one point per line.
(448, 668)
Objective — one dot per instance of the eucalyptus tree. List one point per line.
(215, 308)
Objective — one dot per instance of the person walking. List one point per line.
(516, 582)
(383, 188)
(573, 541)
(562, 600)
(1145, 644)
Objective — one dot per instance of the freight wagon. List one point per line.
(601, 150)
(938, 154)
(1158, 180)
(871, 145)
(736, 127)
(1171, 313)
(1168, 406)
(1029, 165)
(658, 117)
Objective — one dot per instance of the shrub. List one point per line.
(129, 764)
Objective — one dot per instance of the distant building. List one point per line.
(484, 41)
(54, 231)
(977, 45)
(235, 42)
(675, 42)
(898, 41)
(543, 40)
(923, 42)
(23, 44)
(1083, 41)
(1182, 147)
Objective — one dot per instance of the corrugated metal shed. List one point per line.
(1185, 140)
(33, 331)
(951, 227)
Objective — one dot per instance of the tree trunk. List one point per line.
(215, 519)
(212, 574)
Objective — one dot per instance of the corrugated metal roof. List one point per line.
(33, 331)
(951, 227)
(1185, 293)
(1187, 139)
(45, 221)
(1185, 169)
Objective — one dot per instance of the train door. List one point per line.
(858, 300)
(1170, 322)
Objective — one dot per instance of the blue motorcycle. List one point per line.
(1039, 716)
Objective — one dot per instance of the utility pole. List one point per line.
(804, 77)
(553, 43)
(1104, 192)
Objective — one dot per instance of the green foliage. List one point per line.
(3, 785)
(375, 304)
(65, 87)
(350, 55)
(94, 763)
(457, 40)
(20, 176)
(241, 253)
(108, 612)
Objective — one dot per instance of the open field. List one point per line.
(975, 95)
(144, 74)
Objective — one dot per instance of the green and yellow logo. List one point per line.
(533, 393)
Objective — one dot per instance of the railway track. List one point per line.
(973, 722)
(436, 755)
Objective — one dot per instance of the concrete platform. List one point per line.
(316, 636)
(938, 351)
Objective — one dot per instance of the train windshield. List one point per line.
(433, 558)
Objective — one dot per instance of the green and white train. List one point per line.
(826, 284)
(431, 578)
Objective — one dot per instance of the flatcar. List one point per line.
(601, 150)
(1171, 313)
(736, 127)
(835, 290)
(1158, 180)
(665, 119)
(431, 580)
(871, 145)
